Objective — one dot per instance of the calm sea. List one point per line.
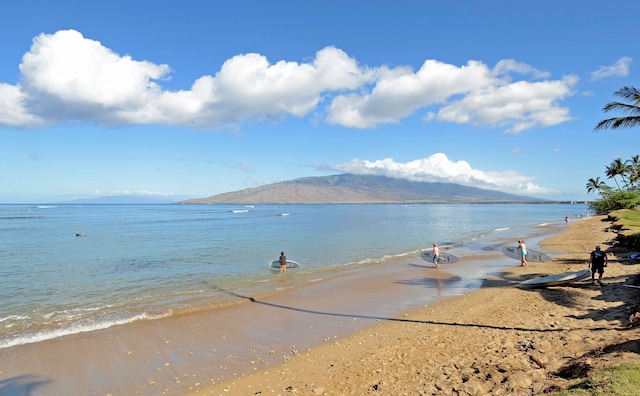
(141, 262)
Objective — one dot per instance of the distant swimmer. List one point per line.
(78, 235)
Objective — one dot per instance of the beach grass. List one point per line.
(620, 380)
(627, 222)
(628, 219)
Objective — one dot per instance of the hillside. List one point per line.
(360, 189)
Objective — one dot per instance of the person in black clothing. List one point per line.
(597, 261)
(283, 262)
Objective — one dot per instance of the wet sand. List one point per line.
(498, 340)
(399, 327)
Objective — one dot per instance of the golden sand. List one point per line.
(331, 337)
(498, 340)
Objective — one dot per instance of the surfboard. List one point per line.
(533, 256)
(290, 264)
(445, 258)
(555, 280)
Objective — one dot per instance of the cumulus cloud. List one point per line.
(67, 77)
(619, 69)
(439, 168)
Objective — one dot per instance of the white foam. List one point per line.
(51, 334)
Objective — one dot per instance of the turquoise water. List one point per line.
(140, 262)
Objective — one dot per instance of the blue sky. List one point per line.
(190, 99)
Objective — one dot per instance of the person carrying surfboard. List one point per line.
(283, 262)
(436, 255)
(523, 253)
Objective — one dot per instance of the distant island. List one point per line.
(360, 189)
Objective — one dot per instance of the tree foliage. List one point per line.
(630, 109)
(625, 174)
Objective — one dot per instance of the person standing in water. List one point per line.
(436, 255)
(522, 247)
(283, 262)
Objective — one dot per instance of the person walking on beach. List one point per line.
(522, 247)
(283, 262)
(597, 261)
(436, 255)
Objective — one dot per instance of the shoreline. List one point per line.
(178, 354)
(206, 352)
(498, 339)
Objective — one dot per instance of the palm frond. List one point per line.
(623, 107)
(618, 122)
(629, 93)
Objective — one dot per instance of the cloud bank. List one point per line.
(66, 77)
(439, 168)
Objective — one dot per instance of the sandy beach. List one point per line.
(362, 333)
(498, 340)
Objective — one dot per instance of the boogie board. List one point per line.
(555, 280)
(445, 258)
(290, 264)
(533, 256)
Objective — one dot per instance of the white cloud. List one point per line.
(13, 110)
(439, 168)
(67, 77)
(619, 69)
(517, 106)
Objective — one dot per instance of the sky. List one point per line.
(178, 100)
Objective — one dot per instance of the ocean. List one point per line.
(68, 269)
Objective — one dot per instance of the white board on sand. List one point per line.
(290, 264)
(555, 280)
(533, 256)
(445, 258)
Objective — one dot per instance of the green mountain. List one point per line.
(349, 188)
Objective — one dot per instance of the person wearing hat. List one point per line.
(597, 261)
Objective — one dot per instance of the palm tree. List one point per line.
(634, 169)
(612, 172)
(632, 109)
(597, 185)
(618, 168)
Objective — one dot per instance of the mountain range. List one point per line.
(348, 188)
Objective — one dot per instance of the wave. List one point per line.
(239, 211)
(501, 229)
(52, 334)
(46, 207)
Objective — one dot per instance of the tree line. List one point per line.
(624, 173)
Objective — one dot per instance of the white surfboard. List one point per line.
(290, 264)
(533, 256)
(555, 280)
(445, 258)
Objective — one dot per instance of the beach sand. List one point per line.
(399, 328)
(498, 340)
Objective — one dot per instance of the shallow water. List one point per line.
(138, 262)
